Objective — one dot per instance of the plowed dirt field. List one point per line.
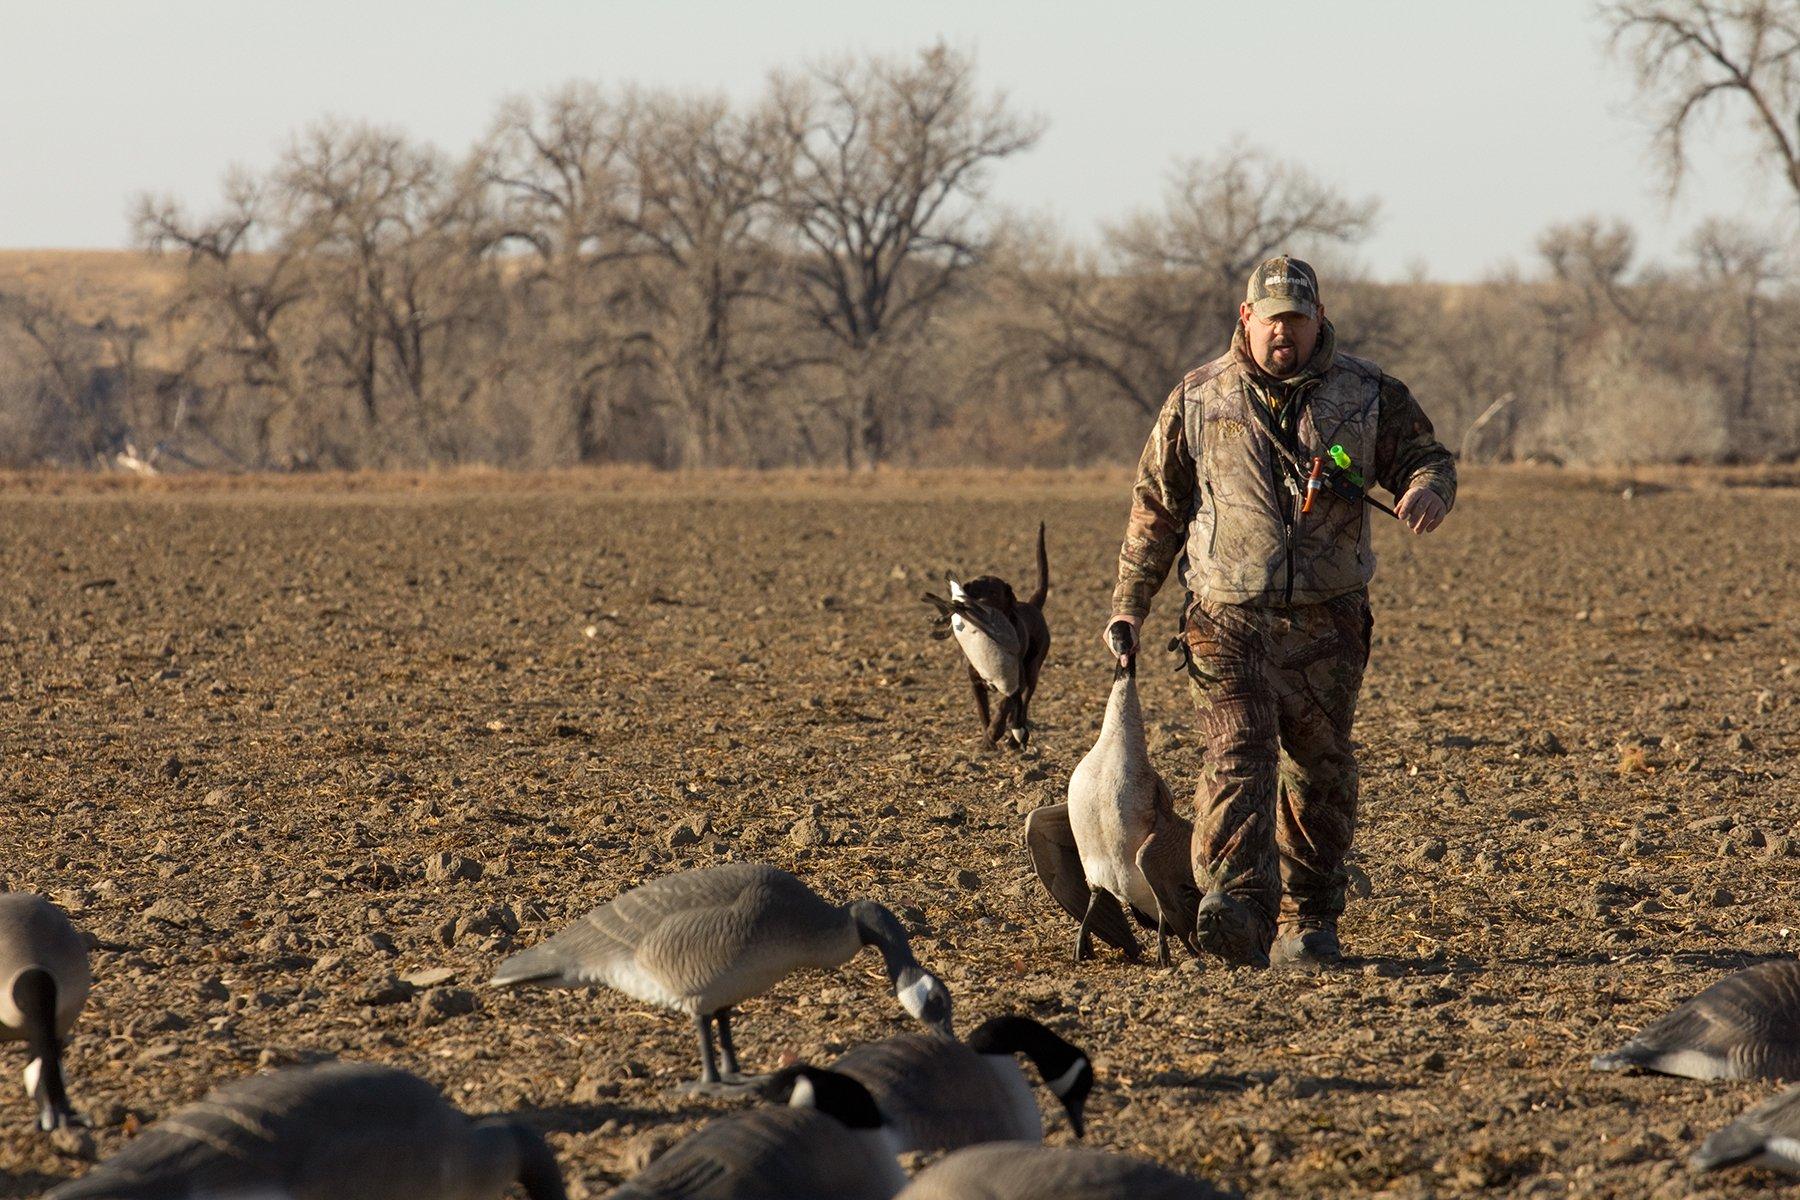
(273, 746)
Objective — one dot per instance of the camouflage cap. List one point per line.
(1283, 285)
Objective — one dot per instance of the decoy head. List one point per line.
(832, 1093)
(925, 998)
(1064, 1066)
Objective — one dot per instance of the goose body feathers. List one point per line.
(1125, 849)
(1746, 1026)
(44, 982)
(342, 1131)
(696, 942)
(1768, 1135)
(1009, 1171)
(772, 1154)
(702, 941)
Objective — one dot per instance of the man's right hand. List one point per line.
(1125, 637)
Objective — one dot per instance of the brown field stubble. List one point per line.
(242, 723)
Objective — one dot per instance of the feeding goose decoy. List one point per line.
(937, 1094)
(702, 941)
(1010, 1171)
(1117, 845)
(1766, 1136)
(829, 1144)
(339, 1131)
(44, 981)
(1746, 1026)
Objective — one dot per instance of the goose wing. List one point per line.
(1050, 839)
(938, 1094)
(1746, 1026)
(1166, 859)
(766, 1154)
(701, 938)
(351, 1130)
(1009, 1171)
(1767, 1135)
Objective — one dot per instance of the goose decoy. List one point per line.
(829, 1144)
(44, 981)
(1766, 1136)
(702, 941)
(1746, 1026)
(937, 1094)
(1009, 1171)
(1117, 845)
(340, 1131)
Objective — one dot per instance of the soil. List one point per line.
(278, 749)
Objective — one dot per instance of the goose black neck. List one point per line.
(539, 1175)
(34, 994)
(878, 927)
(1021, 1035)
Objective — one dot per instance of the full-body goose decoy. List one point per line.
(1766, 1136)
(341, 1131)
(829, 1144)
(937, 1094)
(1746, 1026)
(702, 941)
(1005, 640)
(1010, 1171)
(44, 980)
(1117, 845)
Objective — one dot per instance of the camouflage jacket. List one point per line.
(1233, 511)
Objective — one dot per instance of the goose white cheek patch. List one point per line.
(34, 1071)
(914, 996)
(1062, 1083)
(803, 1095)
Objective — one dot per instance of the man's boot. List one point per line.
(1307, 946)
(1233, 930)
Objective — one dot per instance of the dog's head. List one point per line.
(992, 591)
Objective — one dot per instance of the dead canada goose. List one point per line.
(939, 1094)
(1766, 1136)
(1005, 640)
(702, 941)
(341, 1131)
(1118, 845)
(829, 1144)
(1746, 1026)
(44, 981)
(1009, 1171)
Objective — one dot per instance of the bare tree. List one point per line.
(889, 157)
(1164, 294)
(241, 289)
(1736, 263)
(707, 181)
(1690, 54)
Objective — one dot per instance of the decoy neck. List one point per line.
(525, 1156)
(831, 1092)
(34, 994)
(920, 993)
(1065, 1068)
(1124, 714)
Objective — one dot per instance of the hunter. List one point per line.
(1276, 628)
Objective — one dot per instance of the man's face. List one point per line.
(1283, 343)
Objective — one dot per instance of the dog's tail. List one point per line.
(1043, 588)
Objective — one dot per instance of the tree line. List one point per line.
(817, 277)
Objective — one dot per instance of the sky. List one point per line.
(1474, 124)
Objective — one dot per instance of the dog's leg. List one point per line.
(1002, 719)
(979, 686)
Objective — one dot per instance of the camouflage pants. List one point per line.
(1275, 691)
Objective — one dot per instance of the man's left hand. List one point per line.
(1422, 509)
